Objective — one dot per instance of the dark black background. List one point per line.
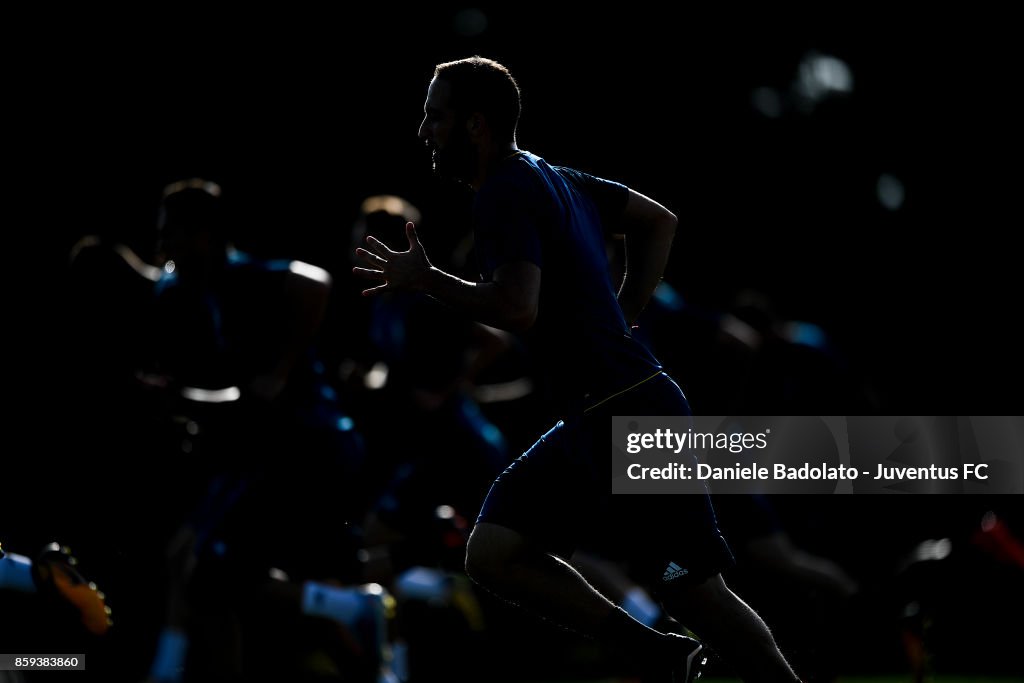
(300, 115)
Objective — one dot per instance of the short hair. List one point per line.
(384, 216)
(192, 205)
(484, 85)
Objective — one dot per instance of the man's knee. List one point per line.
(490, 551)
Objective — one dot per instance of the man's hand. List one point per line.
(509, 301)
(395, 269)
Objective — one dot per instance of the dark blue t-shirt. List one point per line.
(555, 217)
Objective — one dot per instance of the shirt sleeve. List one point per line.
(608, 196)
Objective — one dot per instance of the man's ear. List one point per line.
(475, 123)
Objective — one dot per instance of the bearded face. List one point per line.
(457, 159)
(444, 131)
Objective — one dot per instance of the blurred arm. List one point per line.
(307, 290)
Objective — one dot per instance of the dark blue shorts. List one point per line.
(558, 495)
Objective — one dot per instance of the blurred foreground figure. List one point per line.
(270, 541)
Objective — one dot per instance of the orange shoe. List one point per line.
(56, 576)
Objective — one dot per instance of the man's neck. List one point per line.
(490, 159)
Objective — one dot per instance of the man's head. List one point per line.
(191, 223)
(384, 216)
(471, 103)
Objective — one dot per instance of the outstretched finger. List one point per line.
(410, 234)
(369, 258)
(369, 273)
(375, 290)
(378, 247)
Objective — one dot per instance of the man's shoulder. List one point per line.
(520, 176)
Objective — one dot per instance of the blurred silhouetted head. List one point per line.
(191, 224)
(384, 216)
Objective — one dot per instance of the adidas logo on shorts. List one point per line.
(673, 571)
